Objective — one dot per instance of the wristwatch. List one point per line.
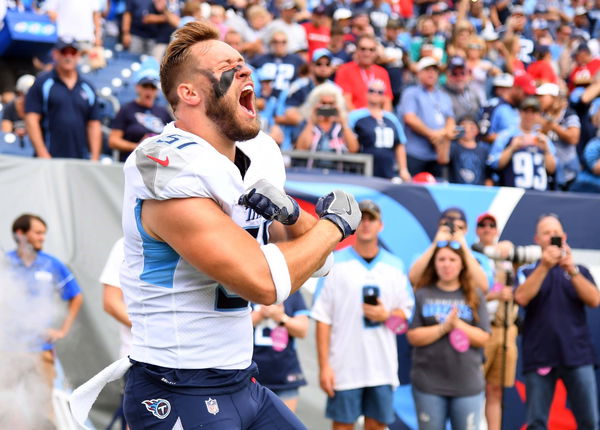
(574, 272)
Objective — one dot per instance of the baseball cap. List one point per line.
(456, 62)
(517, 10)
(548, 89)
(287, 4)
(437, 8)
(24, 83)
(489, 35)
(583, 47)
(486, 215)
(579, 10)
(530, 103)
(525, 82)
(342, 13)
(320, 53)
(66, 42)
(504, 80)
(454, 212)
(320, 10)
(426, 62)
(539, 24)
(370, 207)
(147, 76)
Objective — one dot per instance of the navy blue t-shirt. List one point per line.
(65, 113)
(285, 69)
(138, 9)
(468, 165)
(379, 138)
(555, 329)
(279, 370)
(136, 121)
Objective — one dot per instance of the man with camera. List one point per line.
(556, 338)
(360, 307)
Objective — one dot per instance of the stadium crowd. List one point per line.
(476, 92)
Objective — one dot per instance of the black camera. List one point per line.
(327, 111)
(556, 241)
(450, 224)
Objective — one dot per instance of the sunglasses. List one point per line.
(327, 64)
(449, 243)
(362, 48)
(458, 73)
(278, 41)
(68, 51)
(149, 86)
(486, 224)
(373, 91)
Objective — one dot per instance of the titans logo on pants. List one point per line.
(160, 408)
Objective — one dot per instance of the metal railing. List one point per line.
(356, 163)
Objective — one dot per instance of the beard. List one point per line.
(222, 111)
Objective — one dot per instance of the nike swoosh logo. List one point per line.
(163, 163)
(349, 210)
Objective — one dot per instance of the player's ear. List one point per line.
(189, 95)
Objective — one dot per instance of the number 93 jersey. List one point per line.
(180, 317)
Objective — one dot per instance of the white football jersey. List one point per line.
(182, 318)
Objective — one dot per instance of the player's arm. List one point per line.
(115, 305)
(194, 225)
(279, 232)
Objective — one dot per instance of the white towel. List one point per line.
(82, 399)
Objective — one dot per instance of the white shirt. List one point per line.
(176, 317)
(75, 18)
(362, 356)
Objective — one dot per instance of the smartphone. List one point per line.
(460, 132)
(327, 111)
(370, 295)
(556, 241)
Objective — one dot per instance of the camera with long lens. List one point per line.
(516, 254)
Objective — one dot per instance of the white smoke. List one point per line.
(25, 398)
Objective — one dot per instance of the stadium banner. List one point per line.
(81, 203)
(27, 34)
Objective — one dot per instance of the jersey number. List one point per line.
(530, 171)
(228, 302)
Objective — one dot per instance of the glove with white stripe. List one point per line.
(270, 202)
(340, 208)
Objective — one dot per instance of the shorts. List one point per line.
(287, 393)
(493, 351)
(373, 402)
(150, 404)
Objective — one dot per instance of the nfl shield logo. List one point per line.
(212, 406)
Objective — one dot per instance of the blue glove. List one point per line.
(341, 209)
(271, 203)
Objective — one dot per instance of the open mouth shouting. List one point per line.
(247, 100)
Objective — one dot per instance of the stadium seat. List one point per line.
(10, 144)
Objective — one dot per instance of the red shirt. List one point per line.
(317, 37)
(586, 72)
(542, 71)
(354, 80)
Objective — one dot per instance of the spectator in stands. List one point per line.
(317, 30)
(78, 20)
(506, 114)
(45, 278)
(480, 68)
(466, 156)
(62, 114)
(461, 34)
(557, 347)
(524, 157)
(429, 119)
(427, 35)
(338, 47)
(278, 365)
(326, 128)
(380, 13)
(448, 331)
(588, 180)
(358, 307)
(286, 24)
(287, 66)
(542, 69)
(562, 126)
(320, 70)
(13, 114)
(140, 118)
(585, 68)
(466, 99)
(393, 58)
(254, 31)
(500, 351)
(354, 77)
(380, 134)
(511, 47)
(452, 226)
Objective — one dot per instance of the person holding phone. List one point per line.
(326, 127)
(360, 307)
(448, 331)
(556, 337)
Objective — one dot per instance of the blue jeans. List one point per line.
(433, 411)
(580, 383)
